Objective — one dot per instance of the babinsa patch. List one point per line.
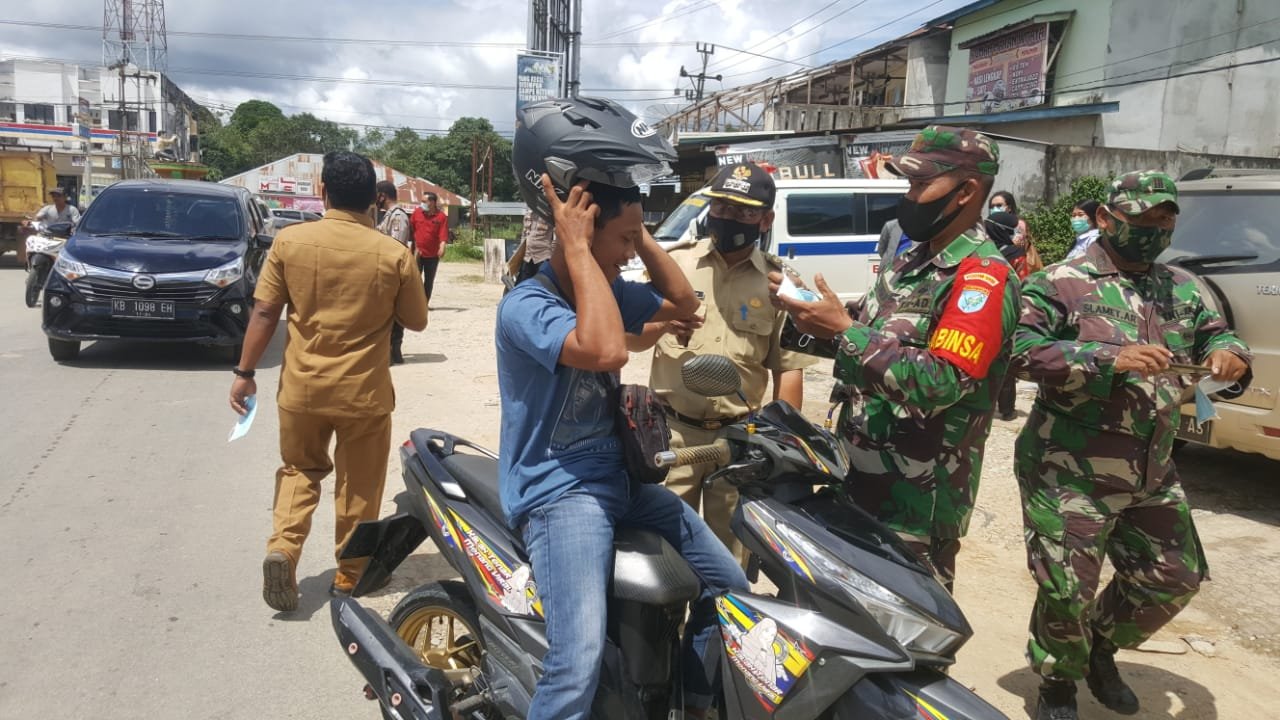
(971, 329)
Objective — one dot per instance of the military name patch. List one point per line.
(980, 277)
(1113, 313)
(1182, 312)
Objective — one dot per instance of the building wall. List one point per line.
(294, 182)
(1066, 163)
(1083, 47)
(1231, 112)
(926, 76)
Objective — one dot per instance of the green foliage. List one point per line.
(467, 246)
(1050, 225)
(259, 133)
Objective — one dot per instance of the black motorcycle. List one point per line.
(858, 628)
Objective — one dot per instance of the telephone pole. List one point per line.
(699, 80)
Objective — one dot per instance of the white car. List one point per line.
(831, 226)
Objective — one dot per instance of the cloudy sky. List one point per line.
(447, 59)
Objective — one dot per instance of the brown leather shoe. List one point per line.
(279, 587)
(345, 591)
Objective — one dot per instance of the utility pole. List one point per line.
(699, 80)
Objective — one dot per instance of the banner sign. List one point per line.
(866, 153)
(789, 159)
(537, 79)
(1007, 72)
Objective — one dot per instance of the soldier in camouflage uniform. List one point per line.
(924, 354)
(1098, 333)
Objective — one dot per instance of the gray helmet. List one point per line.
(576, 139)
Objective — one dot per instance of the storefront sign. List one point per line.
(1008, 72)
(791, 159)
(537, 79)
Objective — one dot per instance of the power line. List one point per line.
(855, 37)
(784, 30)
(336, 41)
(806, 32)
(659, 20)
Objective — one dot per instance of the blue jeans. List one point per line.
(570, 543)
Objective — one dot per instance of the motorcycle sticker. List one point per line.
(769, 660)
(779, 546)
(927, 711)
(509, 585)
(446, 528)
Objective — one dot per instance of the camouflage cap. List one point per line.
(1137, 192)
(939, 149)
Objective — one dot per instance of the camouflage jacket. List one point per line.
(923, 391)
(1089, 421)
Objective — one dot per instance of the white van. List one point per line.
(828, 226)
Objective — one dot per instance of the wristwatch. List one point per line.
(246, 374)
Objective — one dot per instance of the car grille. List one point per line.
(184, 292)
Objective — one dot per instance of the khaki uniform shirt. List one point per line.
(740, 324)
(395, 223)
(344, 283)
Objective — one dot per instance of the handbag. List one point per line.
(641, 424)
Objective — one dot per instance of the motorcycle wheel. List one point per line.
(439, 621)
(35, 283)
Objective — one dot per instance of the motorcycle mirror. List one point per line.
(711, 375)
(60, 230)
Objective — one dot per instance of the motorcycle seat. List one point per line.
(478, 476)
(646, 568)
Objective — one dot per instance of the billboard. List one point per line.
(789, 159)
(1007, 72)
(537, 78)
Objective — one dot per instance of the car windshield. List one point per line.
(1226, 228)
(677, 222)
(162, 214)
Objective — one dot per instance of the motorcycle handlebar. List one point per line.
(717, 452)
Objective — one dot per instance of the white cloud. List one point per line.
(650, 71)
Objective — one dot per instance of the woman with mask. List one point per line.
(1002, 201)
(1084, 223)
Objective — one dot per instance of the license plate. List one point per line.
(1187, 430)
(162, 309)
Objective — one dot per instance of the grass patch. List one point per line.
(471, 279)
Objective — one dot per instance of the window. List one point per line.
(834, 214)
(38, 114)
(1240, 224)
(880, 210)
(163, 214)
(8, 112)
(151, 121)
(130, 116)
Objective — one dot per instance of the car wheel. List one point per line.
(64, 350)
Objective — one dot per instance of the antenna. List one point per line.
(133, 32)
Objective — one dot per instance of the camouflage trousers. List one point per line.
(1070, 524)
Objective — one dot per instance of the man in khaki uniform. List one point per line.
(730, 275)
(344, 283)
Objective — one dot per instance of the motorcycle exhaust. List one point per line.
(404, 686)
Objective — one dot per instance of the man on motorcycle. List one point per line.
(560, 342)
(926, 351)
(58, 210)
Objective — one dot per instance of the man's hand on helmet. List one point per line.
(575, 217)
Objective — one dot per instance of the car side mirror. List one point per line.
(262, 241)
(59, 230)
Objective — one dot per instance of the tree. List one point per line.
(445, 160)
(259, 132)
(1050, 225)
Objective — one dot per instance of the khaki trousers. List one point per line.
(360, 458)
(715, 503)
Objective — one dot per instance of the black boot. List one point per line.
(1057, 700)
(1104, 678)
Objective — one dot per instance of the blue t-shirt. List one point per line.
(557, 425)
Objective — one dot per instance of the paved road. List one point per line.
(133, 534)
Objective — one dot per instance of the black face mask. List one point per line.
(921, 222)
(730, 235)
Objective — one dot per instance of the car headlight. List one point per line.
(914, 631)
(69, 268)
(224, 275)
